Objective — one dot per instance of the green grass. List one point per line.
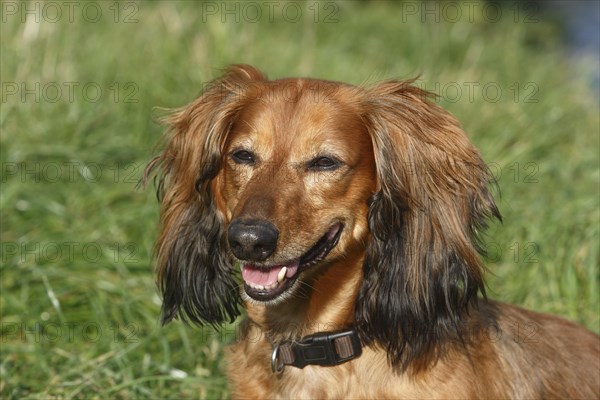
(79, 310)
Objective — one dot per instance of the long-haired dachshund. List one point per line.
(352, 216)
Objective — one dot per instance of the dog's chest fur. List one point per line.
(520, 361)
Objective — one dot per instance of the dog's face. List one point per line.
(301, 181)
(294, 187)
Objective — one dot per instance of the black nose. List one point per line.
(252, 240)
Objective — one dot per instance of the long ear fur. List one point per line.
(194, 274)
(422, 268)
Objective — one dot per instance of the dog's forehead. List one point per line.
(309, 120)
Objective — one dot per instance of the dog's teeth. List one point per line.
(281, 274)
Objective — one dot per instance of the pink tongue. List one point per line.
(265, 277)
(257, 276)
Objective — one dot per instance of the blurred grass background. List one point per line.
(78, 307)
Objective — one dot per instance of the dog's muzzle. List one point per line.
(264, 281)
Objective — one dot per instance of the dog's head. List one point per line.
(282, 179)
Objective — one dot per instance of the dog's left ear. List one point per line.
(194, 274)
(422, 269)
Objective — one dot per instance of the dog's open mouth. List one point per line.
(265, 283)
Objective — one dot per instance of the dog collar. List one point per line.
(324, 349)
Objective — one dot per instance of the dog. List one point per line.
(347, 222)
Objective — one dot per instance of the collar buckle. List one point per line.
(324, 349)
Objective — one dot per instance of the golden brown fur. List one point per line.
(411, 193)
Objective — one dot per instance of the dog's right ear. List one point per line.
(194, 274)
(422, 267)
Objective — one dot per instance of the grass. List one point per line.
(79, 311)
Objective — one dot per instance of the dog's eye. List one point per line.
(323, 164)
(243, 157)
